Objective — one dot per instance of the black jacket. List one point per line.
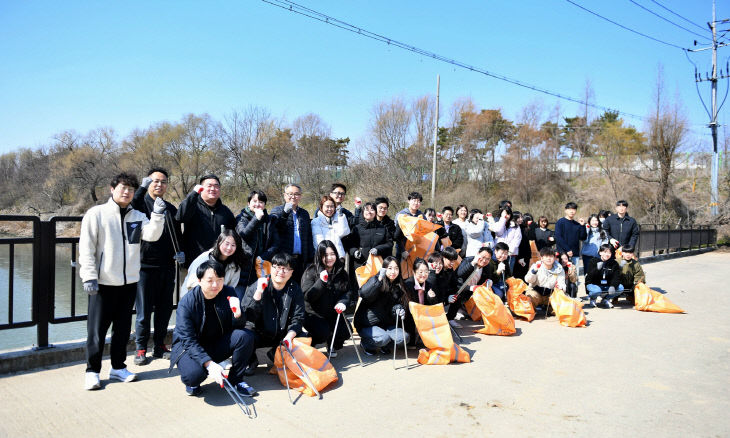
(190, 319)
(157, 254)
(542, 238)
(367, 235)
(454, 234)
(444, 284)
(202, 224)
(412, 294)
(380, 300)
(610, 271)
(285, 227)
(259, 238)
(320, 297)
(270, 321)
(625, 230)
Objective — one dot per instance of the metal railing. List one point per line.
(653, 238)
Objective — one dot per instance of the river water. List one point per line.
(22, 298)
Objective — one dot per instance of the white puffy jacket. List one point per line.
(110, 253)
(334, 229)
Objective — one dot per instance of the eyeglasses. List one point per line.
(338, 193)
(292, 195)
(281, 269)
(159, 181)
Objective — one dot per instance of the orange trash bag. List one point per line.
(497, 318)
(534, 253)
(313, 362)
(569, 311)
(369, 269)
(420, 246)
(435, 333)
(263, 268)
(414, 226)
(519, 303)
(472, 309)
(648, 300)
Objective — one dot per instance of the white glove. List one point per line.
(216, 372)
(373, 251)
(358, 253)
(179, 257)
(599, 265)
(381, 276)
(404, 255)
(401, 312)
(500, 267)
(431, 293)
(259, 213)
(452, 298)
(91, 287)
(339, 307)
(287, 207)
(324, 276)
(235, 304)
(146, 181)
(198, 188)
(261, 284)
(159, 206)
(614, 242)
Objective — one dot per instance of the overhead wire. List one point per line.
(310, 13)
(680, 16)
(669, 21)
(624, 27)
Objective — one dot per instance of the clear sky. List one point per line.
(83, 65)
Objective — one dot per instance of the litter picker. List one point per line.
(395, 346)
(332, 344)
(238, 399)
(304, 376)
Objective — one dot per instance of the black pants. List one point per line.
(456, 305)
(154, 292)
(321, 329)
(111, 306)
(238, 343)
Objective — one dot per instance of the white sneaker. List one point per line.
(454, 324)
(460, 315)
(123, 375)
(92, 381)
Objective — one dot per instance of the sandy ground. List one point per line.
(628, 373)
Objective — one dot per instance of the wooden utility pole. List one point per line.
(435, 143)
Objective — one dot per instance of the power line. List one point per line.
(624, 27)
(683, 18)
(669, 21)
(310, 13)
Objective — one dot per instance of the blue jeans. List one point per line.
(595, 290)
(512, 260)
(375, 337)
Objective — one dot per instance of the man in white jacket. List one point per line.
(109, 259)
(543, 277)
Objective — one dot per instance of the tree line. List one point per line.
(539, 160)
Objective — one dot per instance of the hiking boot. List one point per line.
(193, 390)
(122, 374)
(161, 352)
(91, 381)
(246, 390)
(141, 357)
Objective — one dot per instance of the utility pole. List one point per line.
(435, 143)
(714, 196)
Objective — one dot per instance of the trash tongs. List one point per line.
(238, 399)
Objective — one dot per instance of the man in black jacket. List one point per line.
(203, 214)
(274, 307)
(208, 330)
(450, 230)
(474, 271)
(258, 234)
(157, 274)
(295, 229)
(621, 228)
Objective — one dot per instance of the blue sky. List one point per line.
(127, 65)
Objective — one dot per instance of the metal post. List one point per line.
(43, 274)
(714, 197)
(435, 142)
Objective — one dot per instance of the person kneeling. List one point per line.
(274, 307)
(382, 302)
(543, 277)
(631, 272)
(208, 330)
(603, 277)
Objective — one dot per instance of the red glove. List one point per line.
(198, 188)
(262, 283)
(358, 201)
(471, 288)
(538, 265)
(339, 307)
(324, 276)
(439, 216)
(287, 343)
(570, 265)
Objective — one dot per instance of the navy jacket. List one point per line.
(190, 319)
(260, 239)
(285, 226)
(568, 235)
(625, 230)
(270, 321)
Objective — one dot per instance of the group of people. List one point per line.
(230, 306)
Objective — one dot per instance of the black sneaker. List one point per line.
(369, 352)
(385, 350)
(246, 390)
(251, 368)
(161, 352)
(193, 390)
(141, 357)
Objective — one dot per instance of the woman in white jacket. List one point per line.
(462, 213)
(330, 225)
(227, 250)
(507, 231)
(477, 233)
